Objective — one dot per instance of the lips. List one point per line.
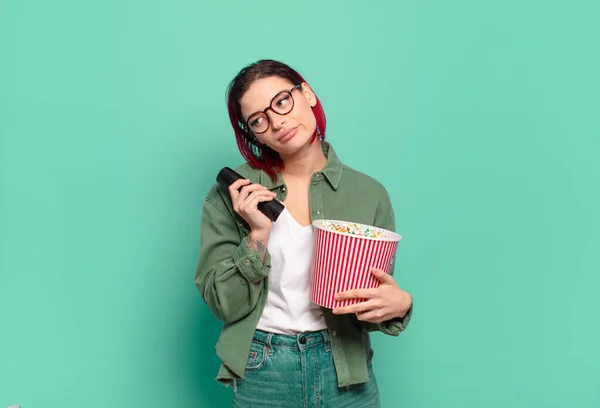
(288, 134)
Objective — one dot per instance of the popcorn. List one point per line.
(352, 229)
(344, 254)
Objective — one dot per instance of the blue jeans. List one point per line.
(297, 371)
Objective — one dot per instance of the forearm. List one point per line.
(232, 286)
(257, 240)
(230, 270)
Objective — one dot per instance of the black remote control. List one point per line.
(272, 209)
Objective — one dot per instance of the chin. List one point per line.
(297, 143)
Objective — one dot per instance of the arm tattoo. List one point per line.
(257, 245)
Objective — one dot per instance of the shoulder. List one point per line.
(246, 171)
(371, 193)
(359, 180)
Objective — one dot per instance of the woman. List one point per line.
(277, 348)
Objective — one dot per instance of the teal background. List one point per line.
(481, 118)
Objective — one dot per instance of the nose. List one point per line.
(277, 120)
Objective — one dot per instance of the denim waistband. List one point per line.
(300, 340)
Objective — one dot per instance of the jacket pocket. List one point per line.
(256, 356)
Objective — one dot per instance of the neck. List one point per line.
(305, 162)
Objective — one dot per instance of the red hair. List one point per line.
(255, 153)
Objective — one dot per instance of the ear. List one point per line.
(309, 94)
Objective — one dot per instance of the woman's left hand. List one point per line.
(383, 303)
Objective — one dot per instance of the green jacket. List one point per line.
(233, 280)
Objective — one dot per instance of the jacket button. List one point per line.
(302, 340)
(318, 212)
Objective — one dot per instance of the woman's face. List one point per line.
(288, 132)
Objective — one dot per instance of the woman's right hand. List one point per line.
(245, 203)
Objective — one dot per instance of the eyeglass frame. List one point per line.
(271, 108)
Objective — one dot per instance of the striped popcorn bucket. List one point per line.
(343, 260)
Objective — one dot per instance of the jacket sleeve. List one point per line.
(385, 219)
(229, 274)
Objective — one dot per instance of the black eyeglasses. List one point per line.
(282, 104)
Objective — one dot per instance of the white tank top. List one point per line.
(288, 309)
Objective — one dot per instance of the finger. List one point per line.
(243, 187)
(252, 201)
(235, 186)
(382, 276)
(357, 307)
(372, 316)
(239, 183)
(357, 293)
(247, 191)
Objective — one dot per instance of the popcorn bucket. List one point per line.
(344, 253)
